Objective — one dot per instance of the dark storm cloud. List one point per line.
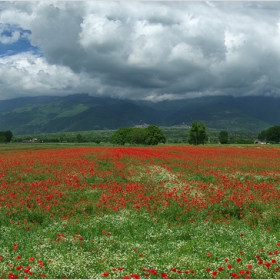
(143, 50)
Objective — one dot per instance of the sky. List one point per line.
(139, 50)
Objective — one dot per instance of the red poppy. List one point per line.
(238, 259)
(105, 274)
(214, 273)
(267, 265)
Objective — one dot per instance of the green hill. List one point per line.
(81, 112)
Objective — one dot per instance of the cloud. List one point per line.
(142, 50)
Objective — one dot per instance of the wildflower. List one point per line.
(209, 255)
(273, 261)
(105, 274)
(229, 266)
(12, 276)
(267, 265)
(226, 259)
(238, 259)
(18, 257)
(163, 275)
(31, 259)
(250, 266)
(173, 269)
(214, 273)
(220, 269)
(208, 269)
(135, 276)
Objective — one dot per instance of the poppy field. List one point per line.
(140, 212)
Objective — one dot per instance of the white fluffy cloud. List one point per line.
(141, 50)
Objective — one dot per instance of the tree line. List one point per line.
(153, 135)
(272, 135)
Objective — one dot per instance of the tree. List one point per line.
(121, 136)
(138, 135)
(223, 137)
(6, 136)
(154, 135)
(197, 134)
(79, 138)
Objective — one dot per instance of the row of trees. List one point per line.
(198, 135)
(151, 135)
(6, 136)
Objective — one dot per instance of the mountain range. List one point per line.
(82, 112)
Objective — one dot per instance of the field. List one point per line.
(139, 212)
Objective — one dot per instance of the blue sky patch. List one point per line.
(21, 45)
